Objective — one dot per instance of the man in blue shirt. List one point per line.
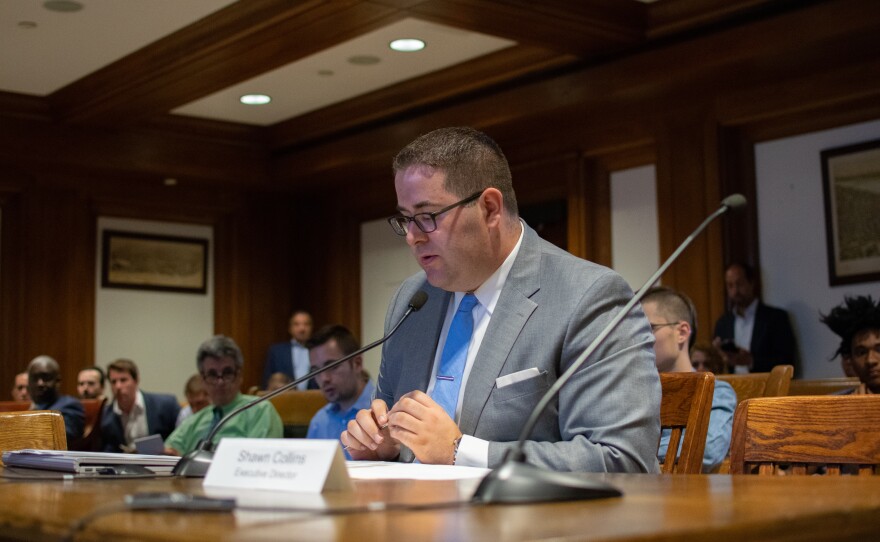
(674, 323)
(345, 387)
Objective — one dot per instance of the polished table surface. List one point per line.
(654, 507)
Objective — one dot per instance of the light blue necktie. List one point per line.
(449, 375)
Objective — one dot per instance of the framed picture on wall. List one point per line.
(140, 261)
(851, 181)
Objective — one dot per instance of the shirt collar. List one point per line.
(751, 309)
(489, 292)
(138, 406)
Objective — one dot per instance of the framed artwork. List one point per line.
(139, 261)
(851, 182)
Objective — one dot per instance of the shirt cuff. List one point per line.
(472, 452)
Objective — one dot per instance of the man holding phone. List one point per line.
(752, 336)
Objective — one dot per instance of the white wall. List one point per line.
(160, 331)
(635, 240)
(791, 231)
(385, 262)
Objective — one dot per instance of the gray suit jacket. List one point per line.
(552, 306)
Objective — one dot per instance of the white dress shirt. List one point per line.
(474, 452)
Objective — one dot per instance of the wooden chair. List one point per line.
(824, 386)
(748, 386)
(685, 408)
(296, 409)
(91, 440)
(751, 385)
(14, 406)
(39, 429)
(839, 433)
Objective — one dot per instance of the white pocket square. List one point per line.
(518, 376)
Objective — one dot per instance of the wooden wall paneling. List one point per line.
(12, 305)
(59, 283)
(687, 178)
(252, 263)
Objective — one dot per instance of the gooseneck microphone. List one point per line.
(195, 464)
(516, 481)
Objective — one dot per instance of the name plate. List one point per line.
(297, 465)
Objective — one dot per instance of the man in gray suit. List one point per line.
(536, 308)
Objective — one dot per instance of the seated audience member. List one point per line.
(674, 322)
(704, 357)
(857, 323)
(20, 388)
(196, 398)
(344, 386)
(752, 337)
(134, 413)
(219, 361)
(90, 383)
(291, 357)
(44, 381)
(278, 380)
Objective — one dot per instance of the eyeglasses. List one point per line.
(228, 375)
(427, 222)
(655, 327)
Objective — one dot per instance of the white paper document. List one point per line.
(382, 470)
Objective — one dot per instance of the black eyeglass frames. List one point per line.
(427, 222)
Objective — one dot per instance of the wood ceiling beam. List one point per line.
(230, 46)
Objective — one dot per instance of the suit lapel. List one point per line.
(512, 311)
(421, 346)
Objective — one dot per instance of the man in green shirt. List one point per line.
(219, 361)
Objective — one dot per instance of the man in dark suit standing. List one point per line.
(752, 336)
(291, 357)
(134, 413)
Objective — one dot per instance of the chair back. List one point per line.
(824, 386)
(808, 433)
(14, 406)
(296, 409)
(684, 409)
(91, 440)
(38, 429)
(748, 386)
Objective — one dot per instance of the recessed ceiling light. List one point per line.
(63, 6)
(407, 45)
(170, 181)
(255, 99)
(364, 60)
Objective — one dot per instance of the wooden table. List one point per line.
(655, 508)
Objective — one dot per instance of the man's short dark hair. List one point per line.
(123, 365)
(472, 161)
(342, 335)
(96, 369)
(748, 270)
(219, 347)
(674, 304)
(854, 316)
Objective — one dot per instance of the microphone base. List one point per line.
(515, 482)
(194, 464)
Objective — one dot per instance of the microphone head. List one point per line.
(418, 300)
(734, 202)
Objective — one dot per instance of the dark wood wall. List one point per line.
(287, 215)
